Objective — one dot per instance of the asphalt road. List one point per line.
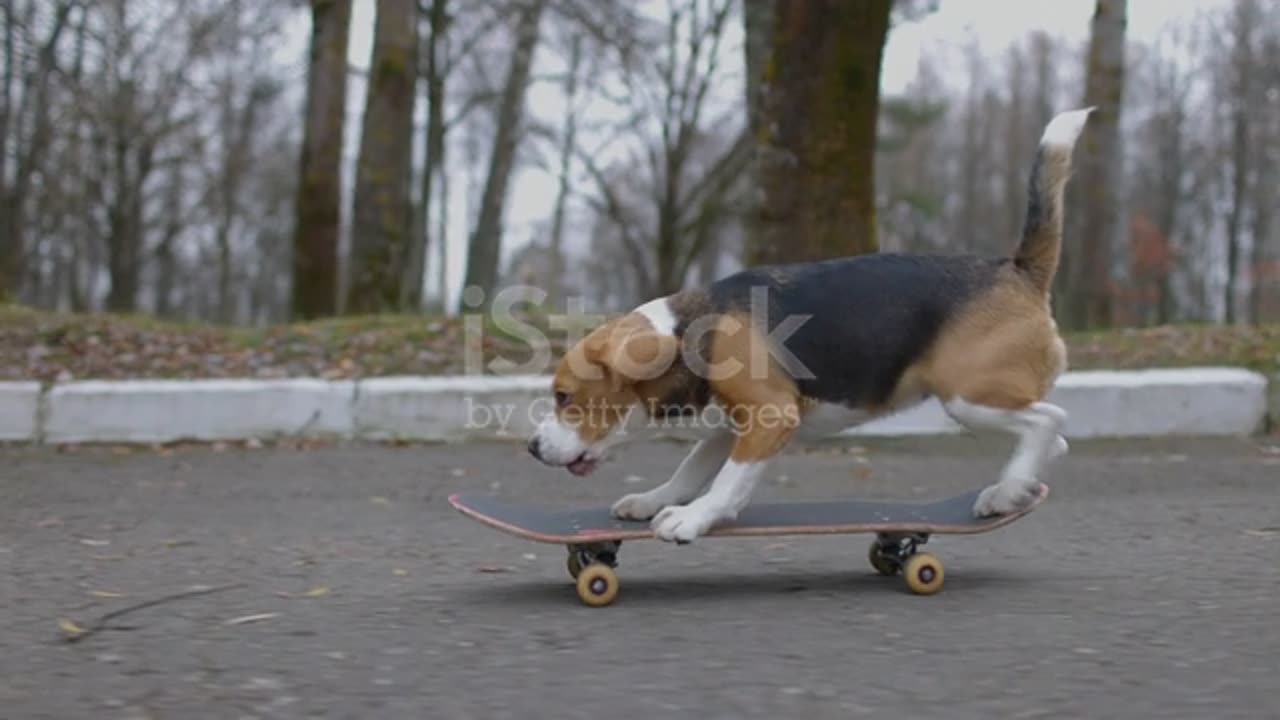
(346, 587)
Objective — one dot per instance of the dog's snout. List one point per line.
(533, 447)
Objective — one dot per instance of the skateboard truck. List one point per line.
(591, 567)
(893, 553)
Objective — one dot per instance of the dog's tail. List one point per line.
(1041, 243)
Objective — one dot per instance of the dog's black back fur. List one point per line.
(870, 316)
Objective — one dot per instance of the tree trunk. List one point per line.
(239, 128)
(1015, 147)
(1243, 20)
(319, 202)
(10, 250)
(555, 283)
(383, 211)
(31, 150)
(1100, 171)
(484, 253)
(816, 132)
(432, 155)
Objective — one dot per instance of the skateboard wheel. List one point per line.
(597, 585)
(881, 562)
(923, 573)
(574, 565)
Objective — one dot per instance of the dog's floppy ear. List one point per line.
(632, 352)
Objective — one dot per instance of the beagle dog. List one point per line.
(796, 352)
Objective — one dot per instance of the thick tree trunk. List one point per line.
(484, 253)
(383, 211)
(1100, 181)
(816, 130)
(319, 203)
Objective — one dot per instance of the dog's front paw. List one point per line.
(638, 506)
(682, 523)
(1004, 498)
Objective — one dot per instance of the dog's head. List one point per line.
(599, 387)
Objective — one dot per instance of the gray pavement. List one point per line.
(1145, 587)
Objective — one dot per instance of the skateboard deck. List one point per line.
(949, 516)
(593, 536)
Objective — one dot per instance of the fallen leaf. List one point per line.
(400, 572)
(1263, 532)
(94, 543)
(244, 619)
(70, 628)
(319, 591)
(494, 569)
(105, 594)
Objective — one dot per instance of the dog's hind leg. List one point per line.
(695, 471)
(996, 378)
(1038, 426)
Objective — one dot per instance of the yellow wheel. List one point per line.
(882, 564)
(923, 573)
(574, 565)
(597, 585)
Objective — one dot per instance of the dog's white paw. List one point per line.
(638, 506)
(1004, 498)
(682, 523)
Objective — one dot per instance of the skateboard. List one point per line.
(593, 536)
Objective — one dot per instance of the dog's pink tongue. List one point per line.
(582, 466)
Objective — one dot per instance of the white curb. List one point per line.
(1143, 403)
(172, 410)
(450, 408)
(19, 410)
(1125, 403)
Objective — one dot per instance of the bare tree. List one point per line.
(242, 92)
(1240, 92)
(667, 198)
(568, 141)
(319, 201)
(383, 198)
(486, 241)
(433, 69)
(1263, 266)
(452, 37)
(26, 129)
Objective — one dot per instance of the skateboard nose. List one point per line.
(533, 447)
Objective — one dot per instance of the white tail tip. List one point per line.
(1065, 127)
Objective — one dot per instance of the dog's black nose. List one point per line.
(533, 447)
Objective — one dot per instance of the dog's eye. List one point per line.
(562, 399)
